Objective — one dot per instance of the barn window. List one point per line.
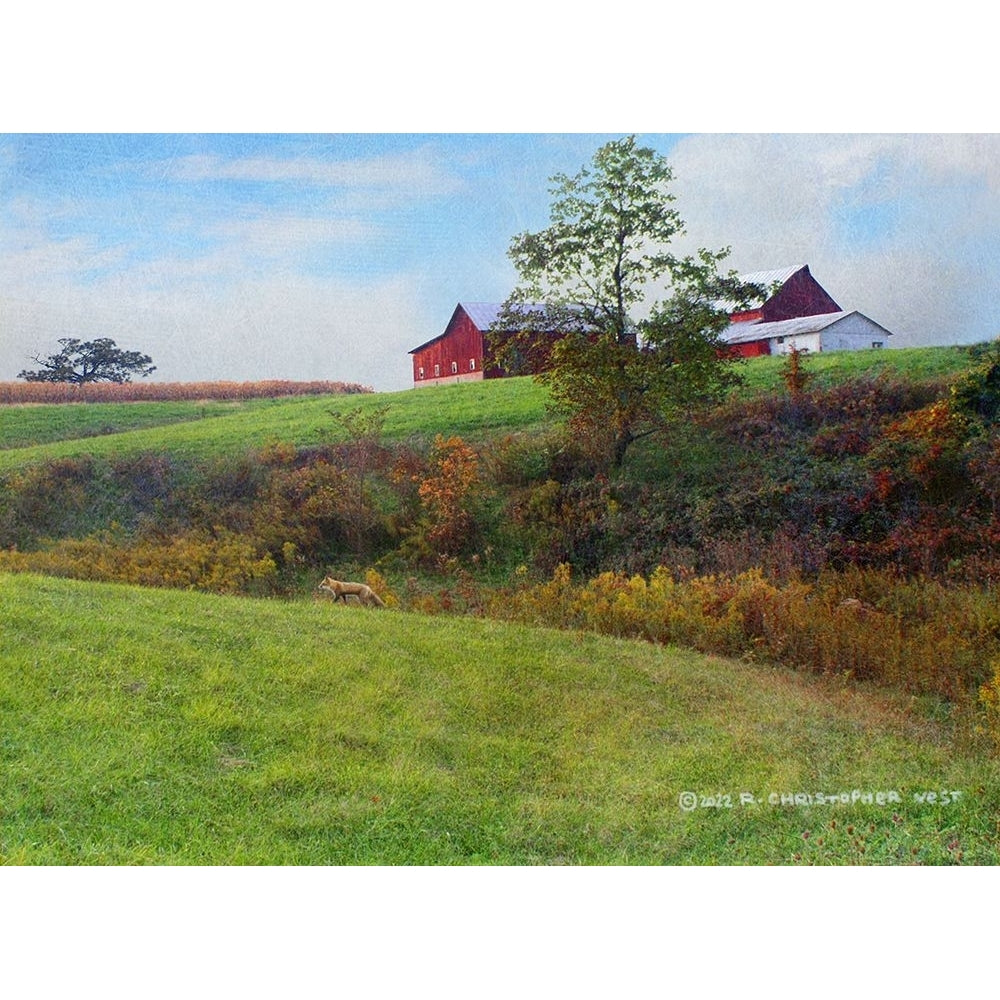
(472, 364)
(437, 371)
(454, 367)
(877, 343)
(420, 372)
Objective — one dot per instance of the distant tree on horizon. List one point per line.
(98, 360)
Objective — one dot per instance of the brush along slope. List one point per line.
(204, 429)
(149, 726)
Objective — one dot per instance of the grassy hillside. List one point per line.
(23, 426)
(763, 374)
(151, 726)
(197, 430)
(475, 410)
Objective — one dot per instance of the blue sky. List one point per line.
(330, 255)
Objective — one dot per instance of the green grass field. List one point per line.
(164, 727)
(204, 430)
(23, 426)
(473, 410)
(763, 374)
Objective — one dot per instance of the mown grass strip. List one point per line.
(161, 727)
(474, 410)
(24, 426)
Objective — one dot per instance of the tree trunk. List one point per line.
(623, 438)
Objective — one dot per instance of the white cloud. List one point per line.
(34, 263)
(230, 298)
(291, 327)
(281, 232)
(903, 227)
(40, 261)
(415, 170)
(276, 242)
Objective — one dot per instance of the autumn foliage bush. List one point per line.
(448, 489)
(303, 509)
(43, 499)
(989, 697)
(850, 530)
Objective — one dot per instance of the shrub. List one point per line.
(977, 393)
(380, 585)
(449, 491)
(521, 459)
(989, 698)
(48, 499)
(927, 445)
(794, 374)
(303, 506)
(223, 563)
(145, 481)
(872, 625)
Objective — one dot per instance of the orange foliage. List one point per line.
(446, 494)
(927, 437)
(989, 698)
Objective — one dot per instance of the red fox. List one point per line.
(341, 591)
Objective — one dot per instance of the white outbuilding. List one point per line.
(836, 331)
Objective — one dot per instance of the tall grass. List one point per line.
(133, 392)
(912, 634)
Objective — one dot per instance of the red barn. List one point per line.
(798, 313)
(461, 353)
(796, 293)
(753, 348)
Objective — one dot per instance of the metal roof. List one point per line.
(743, 333)
(483, 314)
(768, 278)
(777, 275)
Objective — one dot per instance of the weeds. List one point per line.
(847, 528)
(915, 635)
(221, 563)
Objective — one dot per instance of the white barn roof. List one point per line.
(483, 314)
(744, 333)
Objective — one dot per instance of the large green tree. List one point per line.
(98, 360)
(604, 259)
